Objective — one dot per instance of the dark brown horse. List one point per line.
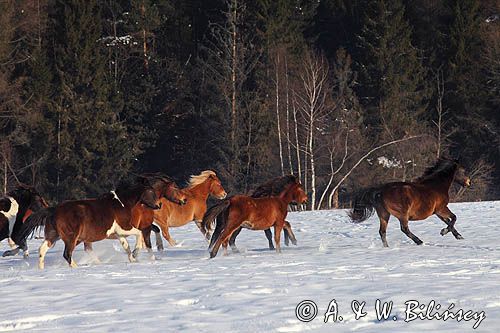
(251, 213)
(15, 208)
(142, 216)
(271, 188)
(93, 220)
(413, 201)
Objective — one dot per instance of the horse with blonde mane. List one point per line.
(199, 188)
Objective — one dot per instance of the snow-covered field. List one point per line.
(258, 290)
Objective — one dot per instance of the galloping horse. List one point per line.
(270, 188)
(142, 217)
(15, 208)
(252, 213)
(413, 201)
(197, 193)
(93, 220)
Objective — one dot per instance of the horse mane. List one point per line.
(274, 186)
(442, 168)
(152, 178)
(195, 180)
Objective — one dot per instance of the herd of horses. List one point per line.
(154, 202)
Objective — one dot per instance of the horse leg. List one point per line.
(159, 242)
(69, 246)
(146, 235)
(404, 228)
(139, 244)
(90, 251)
(203, 231)
(51, 237)
(46, 245)
(223, 237)
(232, 240)
(287, 230)
(449, 218)
(277, 235)
(166, 234)
(269, 236)
(383, 216)
(126, 247)
(12, 244)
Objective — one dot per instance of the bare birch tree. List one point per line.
(312, 103)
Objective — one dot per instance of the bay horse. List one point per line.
(142, 217)
(252, 213)
(199, 188)
(412, 201)
(15, 208)
(92, 220)
(270, 188)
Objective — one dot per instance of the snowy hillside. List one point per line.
(258, 290)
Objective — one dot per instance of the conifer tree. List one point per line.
(92, 149)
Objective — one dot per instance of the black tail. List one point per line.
(364, 204)
(155, 228)
(33, 222)
(211, 217)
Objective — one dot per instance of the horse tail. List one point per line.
(155, 228)
(365, 203)
(211, 217)
(33, 222)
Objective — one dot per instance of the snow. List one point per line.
(258, 290)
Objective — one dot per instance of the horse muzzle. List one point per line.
(467, 182)
(223, 196)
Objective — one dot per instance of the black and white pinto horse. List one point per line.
(16, 207)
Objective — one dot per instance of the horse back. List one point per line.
(90, 218)
(418, 200)
(258, 208)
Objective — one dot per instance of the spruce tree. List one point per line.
(392, 87)
(93, 150)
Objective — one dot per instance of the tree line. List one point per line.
(343, 93)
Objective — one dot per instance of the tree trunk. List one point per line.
(297, 146)
(290, 167)
(311, 157)
(277, 63)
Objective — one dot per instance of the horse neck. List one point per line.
(443, 184)
(201, 190)
(129, 197)
(286, 196)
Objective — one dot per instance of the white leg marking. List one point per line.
(43, 250)
(11, 243)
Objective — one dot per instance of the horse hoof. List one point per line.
(444, 231)
(294, 242)
(459, 237)
(419, 242)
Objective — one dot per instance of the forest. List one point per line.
(343, 93)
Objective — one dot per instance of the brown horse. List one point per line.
(252, 213)
(413, 201)
(200, 187)
(142, 216)
(270, 188)
(92, 220)
(15, 208)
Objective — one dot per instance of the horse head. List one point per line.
(216, 188)
(294, 193)
(164, 186)
(461, 177)
(29, 198)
